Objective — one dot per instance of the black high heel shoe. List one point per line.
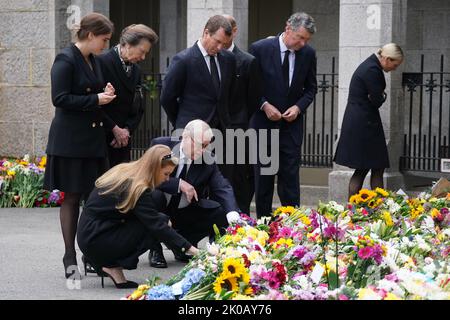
(88, 268)
(123, 285)
(70, 266)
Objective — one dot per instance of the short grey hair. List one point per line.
(302, 19)
(198, 128)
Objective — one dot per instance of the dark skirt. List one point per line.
(75, 175)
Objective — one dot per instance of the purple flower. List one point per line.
(300, 252)
(332, 232)
(53, 197)
(308, 258)
(444, 211)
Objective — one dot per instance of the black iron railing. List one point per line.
(427, 129)
(320, 122)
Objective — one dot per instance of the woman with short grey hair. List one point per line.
(120, 67)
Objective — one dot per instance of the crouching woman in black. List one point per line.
(121, 219)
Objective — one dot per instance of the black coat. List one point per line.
(77, 128)
(362, 144)
(246, 91)
(124, 110)
(205, 178)
(188, 92)
(112, 239)
(274, 90)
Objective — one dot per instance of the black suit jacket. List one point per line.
(205, 178)
(188, 92)
(77, 128)
(127, 108)
(274, 90)
(246, 90)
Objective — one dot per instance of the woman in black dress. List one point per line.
(120, 68)
(121, 219)
(76, 149)
(362, 144)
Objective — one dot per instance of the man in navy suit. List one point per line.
(198, 196)
(245, 102)
(288, 67)
(199, 80)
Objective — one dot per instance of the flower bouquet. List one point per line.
(381, 245)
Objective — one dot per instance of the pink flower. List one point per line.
(365, 253)
(343, 297)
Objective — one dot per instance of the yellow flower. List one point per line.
(233, 267)
(368, 294)
(391, 296)
(283, 242)
(225, 283)
(354, 199)
(43, 162)
(387, 218)
(286, 210)
(435, 213)
(382, 192)
(366, 195)
(11, 173)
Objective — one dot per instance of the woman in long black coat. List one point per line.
(362, 145)
(121, 219)
(120, 68)
(76, 149)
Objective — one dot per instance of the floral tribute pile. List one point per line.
(21, 182)
(381, 246)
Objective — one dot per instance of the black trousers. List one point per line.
(118, 155)
(288, 177)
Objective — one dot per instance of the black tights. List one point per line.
(357, 180)
(68, 214)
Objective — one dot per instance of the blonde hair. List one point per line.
(391, 51)
(129, 180)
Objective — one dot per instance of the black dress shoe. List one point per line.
(157, 259)
(181, 256)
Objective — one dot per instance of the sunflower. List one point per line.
(366, 195)
(354, 199)
(373, 203)
(382, 192)
(233, 268)
(225, 283)
(286, 210)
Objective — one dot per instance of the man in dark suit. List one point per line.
(198, 196)
(119, 66)
(288, 67)
(199, 80)
(245, 100)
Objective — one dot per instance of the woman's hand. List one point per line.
(193, 251)
(104, 98)
(109, 89)
(121, 136)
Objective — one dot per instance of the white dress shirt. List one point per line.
(291, 56)
(206, 57)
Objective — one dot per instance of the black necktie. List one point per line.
(183, 172)
(214, 73)
(175, 199)
(285, 68)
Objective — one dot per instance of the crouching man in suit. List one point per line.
(198, 196)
